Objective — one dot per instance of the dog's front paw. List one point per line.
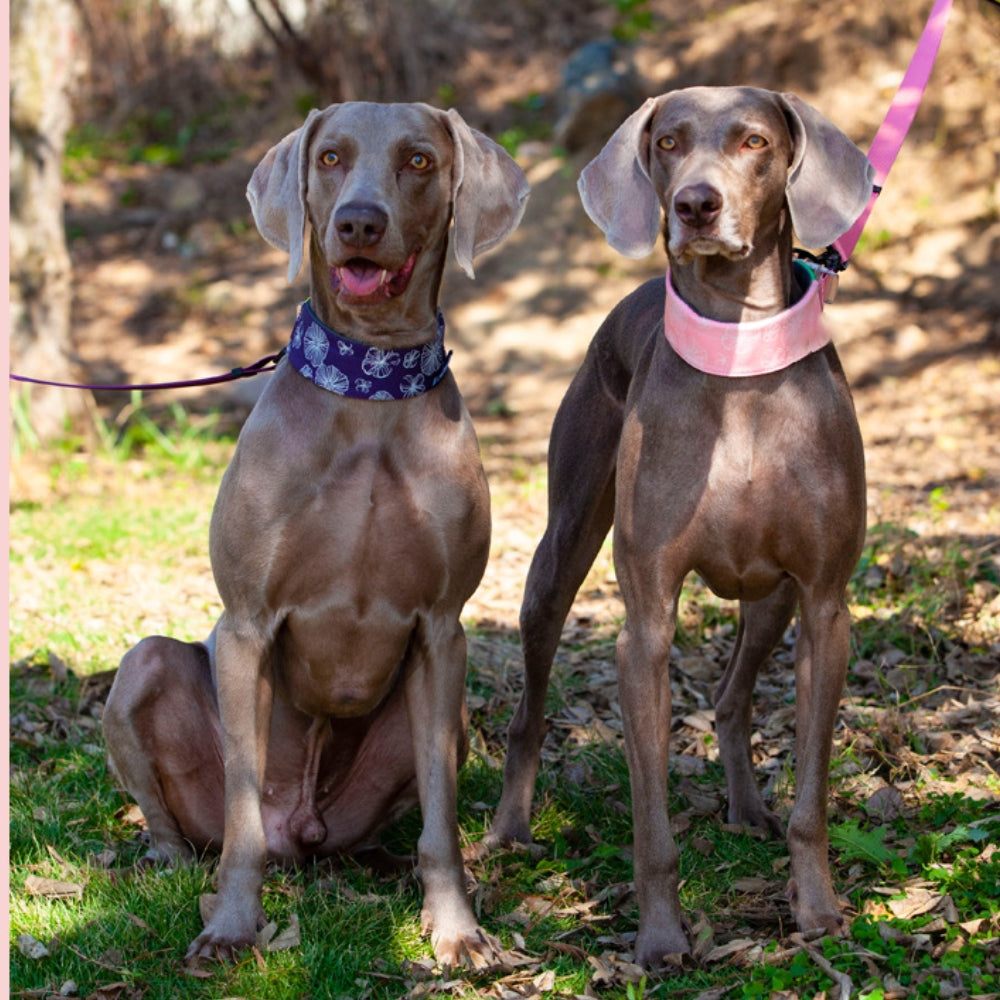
(473, 949)
(817, 914)
(653, 944)
(228, 931)
(456, 937)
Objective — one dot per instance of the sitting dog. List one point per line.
(712, 423)
(350, 528)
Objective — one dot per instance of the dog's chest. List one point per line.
(376, 527)
(344, 547)
(744, 484)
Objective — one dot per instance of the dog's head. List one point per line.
(378, 186)
(720, 162)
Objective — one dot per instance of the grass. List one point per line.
(109, 544)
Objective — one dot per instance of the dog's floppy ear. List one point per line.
(830, 179)
(616, 189)
(277, 192)
(488, 189)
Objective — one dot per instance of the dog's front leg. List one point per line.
(582, 452)
(435, 700)
(245, 687)
(820, 672)
(644, 691)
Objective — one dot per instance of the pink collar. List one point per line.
(759, 347)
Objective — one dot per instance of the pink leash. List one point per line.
(898, 119)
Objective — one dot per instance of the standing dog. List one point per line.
(742, 463)
(350, 528)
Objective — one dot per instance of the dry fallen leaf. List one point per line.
(734, 947)
(104, 859)
(290, 937)
(577, 953)
(704, 802)
(702, 937)
(603, 976)
(113, 991)
(917, 901)
(31, 947)
(703, 721)
(703, 846)
(52, 888)
(538, 905)
(132, 815)
(713, 994)
(545, 982)
(751, 884)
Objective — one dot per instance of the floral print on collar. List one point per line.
(349, 368)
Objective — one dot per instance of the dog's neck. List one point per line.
(747, 317)
(398, 323)
(739, 291)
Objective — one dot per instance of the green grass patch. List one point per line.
(568, 899)
(111, 543)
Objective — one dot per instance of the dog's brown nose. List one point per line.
(698, 205)
(360, 224)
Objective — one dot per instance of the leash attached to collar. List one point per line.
(359, 371)
(266, 364)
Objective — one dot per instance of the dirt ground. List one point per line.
(170, 287)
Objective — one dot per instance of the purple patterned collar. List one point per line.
(349, 368)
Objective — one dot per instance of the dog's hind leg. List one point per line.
(162, 731)
(762, 623)
(821, 656)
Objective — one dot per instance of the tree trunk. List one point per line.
(42, 60)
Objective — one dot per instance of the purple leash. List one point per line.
(263, 365)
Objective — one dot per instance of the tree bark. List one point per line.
(43, 34)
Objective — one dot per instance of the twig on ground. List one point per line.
(843, 981)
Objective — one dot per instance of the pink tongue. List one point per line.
(360, 280)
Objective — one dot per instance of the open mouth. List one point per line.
(360, 279)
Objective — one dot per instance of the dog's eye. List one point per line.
(420, 162)
(329, 158)
(755, 142)
(668, 142)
